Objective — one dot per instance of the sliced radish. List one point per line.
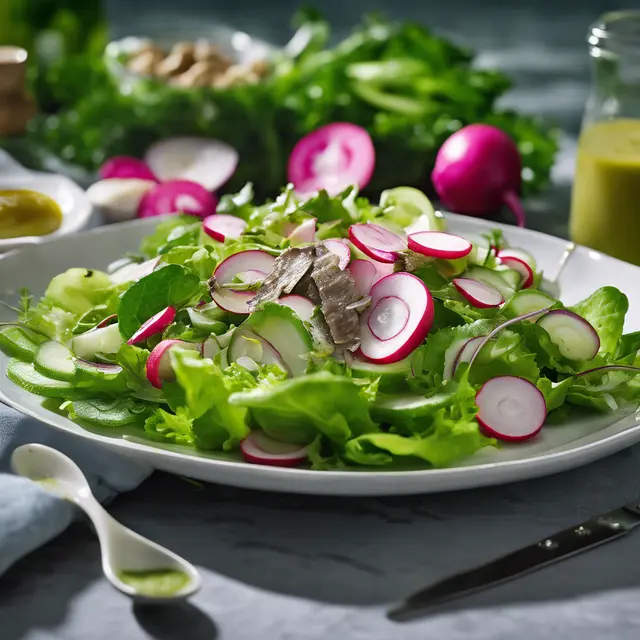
(252, 264)
(401, 312)
(510, 408)
(333, 158)
(303, 233)
(468, 350)
(99, 367)
(119, 198)
(113, 318)
(611, 367)
(221, 226)
(156, 324)
(375, 241)
(126, 167)
(159, 367)
(341, 249)
(450, 356)
(365, 275)
(575, 338)
(259, 448)
(438, 244)
(134, 271)
(478, 293)
(177, 196)
(213, 345)
(518, 265)
(247, 344)
(303, 307)
(251, 276)
(520, 254)
(208, 162)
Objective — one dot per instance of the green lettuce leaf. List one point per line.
(555, 393)
(79, 290)
(605, 309)
(172, 285)
(297, 409)
(167, 230)
(200, 260)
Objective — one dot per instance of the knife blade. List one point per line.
(564, 544)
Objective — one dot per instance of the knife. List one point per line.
(577, 539)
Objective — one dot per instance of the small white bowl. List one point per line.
(72, 200)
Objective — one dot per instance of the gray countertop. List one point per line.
(286, 567)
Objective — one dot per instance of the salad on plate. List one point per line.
(325, 331)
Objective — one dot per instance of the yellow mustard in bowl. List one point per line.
(24, 212)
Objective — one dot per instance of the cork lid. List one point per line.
(13, 68)
(16, 106)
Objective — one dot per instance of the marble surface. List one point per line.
(286, 567)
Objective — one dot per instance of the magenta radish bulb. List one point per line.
(177, 196)
(477, 171)
(126, 167)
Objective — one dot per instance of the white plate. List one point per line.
(71, 199)
(556, 449)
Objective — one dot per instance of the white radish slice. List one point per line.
(521, 254)
(302, 306)
(611, 367)
(134, 271)
(365, 275)
(450, 356)
(341, 249)
(401, 333)
(159, 367)
(126, 167)
(438, 244)
(156, 324)
(375, 241)
(251, 276)
(259, 448)
(510, 408)
(103, 368)
(389, 318)
(383, 269)
(575, 338)
(215, 344)
(247, 344)
(107, 321)
(303, 233)
(119, 198)
(520, 266)
(478, 293)
(221, 226)
(253, 261)
(333, 158)
(208, 162)
(466, 353)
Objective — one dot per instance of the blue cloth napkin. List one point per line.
(29, 516)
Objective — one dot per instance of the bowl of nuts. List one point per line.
(225, 58)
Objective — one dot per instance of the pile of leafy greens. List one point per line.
(347, 416)
(407, 87)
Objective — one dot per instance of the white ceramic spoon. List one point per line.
(136, 566)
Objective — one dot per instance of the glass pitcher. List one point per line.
(605, 203)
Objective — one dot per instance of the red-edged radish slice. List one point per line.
(450, 355)
(375, 241)
(365, 275)
(259, 448)
(156, 324)
(383, 269)
(478, 293)
(391, 298)
(341, 249)
(247, 344)
(611, 367)
(102, 367)
(208, 162)
(107, 321)
(333, 158)
(575, 338)
(510, 408)
(119, 198)
(251, 276)
(439, 244)
(126, 167)
(504, 325)
(159, 367)
(303, 233)
(177, 196)
(256, 262)
(521, 254)
(302, 306)
(518, 265)
(221, 226)
(467, 351)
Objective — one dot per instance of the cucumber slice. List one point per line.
(526, 301)
(56, 361)
(205, 323)
(510, 276)
(492, 278)
(392, 376)
(413, 205)
(222, 358)
(106, 340)
(285, 332)
(402, 407)
(19, 342)
(25, 376)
